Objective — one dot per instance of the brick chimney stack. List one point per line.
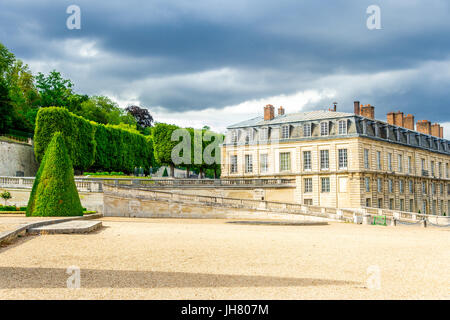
(408, 122)
(424, 126)
(357, 108)
(368, 111)
(269, 112)
(437, 130)
(280, 111)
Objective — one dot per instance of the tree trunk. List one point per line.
(215, 173)
(172, 170)
(187, 172)
(200, 173)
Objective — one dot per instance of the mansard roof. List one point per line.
(290, 118)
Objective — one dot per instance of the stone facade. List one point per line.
(17, 159)
(385, 165)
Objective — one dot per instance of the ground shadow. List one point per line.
(11, 278)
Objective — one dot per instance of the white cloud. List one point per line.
(219, 119)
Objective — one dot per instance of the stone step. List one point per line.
(80, 226)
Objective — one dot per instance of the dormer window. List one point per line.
(250, 134)
(307, 130)
(324, 129)
(285, 132)
(343, 127)
(264, 134)
(234, 136)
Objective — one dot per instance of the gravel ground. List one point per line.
(211, 259)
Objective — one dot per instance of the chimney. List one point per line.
(356, 107)
(398, 119)
(269, 112)
(408, 122)
(334, 106)
(436, 130)
(391, 118)
(441, 133)
(368, 111)
(424, 126)
(280, 111)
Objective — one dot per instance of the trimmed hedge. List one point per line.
(54, 191)
(78, 134)
(92, 145)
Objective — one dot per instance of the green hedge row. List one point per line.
(92, 145)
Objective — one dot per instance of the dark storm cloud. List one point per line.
(266, 48)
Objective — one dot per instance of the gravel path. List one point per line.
(9, 222)
(212, 259)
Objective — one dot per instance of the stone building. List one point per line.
(346, 160)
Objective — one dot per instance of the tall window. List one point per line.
(402, 205)
(423, 164)
(264, 134)
(390, 186)
(233, 164)
(285, 161)
(325, 184)
(432, 168)
(234, 136)
(285, 132)
(409, 165)
(324, 160)
(400, 186)
(342, 153)
(251, 135)
(379, 185)
(367, 183)
(411, 205)
(343, 127)
(308, 185)
(390, 161)
(324, 128)
(366, 159)
(411, 187)
(264, 163)
(400, 163)
(446, 170)
(433, 188)
(379, 160)
(307, 130)
(306, 160)
(424, 188)
(440, 169)
(248, 163)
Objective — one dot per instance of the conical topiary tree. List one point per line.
(54, 191)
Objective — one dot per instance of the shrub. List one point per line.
(92, 145)
(165, 174)
(54, 192)
(8, 208)
(5, 196)
(78, 134)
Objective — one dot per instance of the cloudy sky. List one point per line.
(210, 62)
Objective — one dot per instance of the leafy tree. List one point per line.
(163, 144)
(54, 89)
(5, 195)
(54, 191)
(6, 60)
(143, 117)
(6, 114)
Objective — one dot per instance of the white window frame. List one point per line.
(400, 162)
(325, 184)
(324, 159)
(366, 159)
(264, 162)
(285, 162)
(233, 164)
(234, 136)
(379, 166)
(367, 183)
(308, 185)
(342, 125)
(307, 130)
(307, 161)
(343, 158)
(248, 163)
(324, 128)
(264, 134)
(285, 132)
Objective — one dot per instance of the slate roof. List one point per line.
(292, 117)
